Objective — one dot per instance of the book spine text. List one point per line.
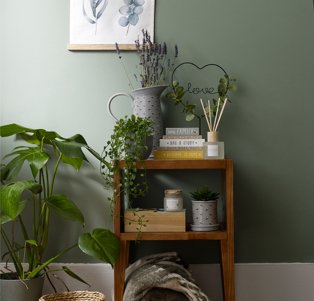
(182, 131)
(181, 142)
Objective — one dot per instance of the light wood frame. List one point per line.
(100, 47)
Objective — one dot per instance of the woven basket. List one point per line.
(74, 296)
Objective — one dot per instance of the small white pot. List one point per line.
(204, 214)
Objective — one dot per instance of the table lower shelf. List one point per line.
(189, 235)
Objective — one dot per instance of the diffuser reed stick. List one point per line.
(210, 115)
(220, 114)
(208, 122)
(213, 125)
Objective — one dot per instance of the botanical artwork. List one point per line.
(110, 21)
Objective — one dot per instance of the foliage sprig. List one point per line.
(154, 61)
(225, 85)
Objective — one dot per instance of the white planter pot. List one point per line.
(204, 214)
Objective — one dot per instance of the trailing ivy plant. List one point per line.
(131, 141)
(44, 152)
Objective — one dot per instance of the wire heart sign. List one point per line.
(183, 94)
(197, 90)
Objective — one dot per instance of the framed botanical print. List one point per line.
(99, 24)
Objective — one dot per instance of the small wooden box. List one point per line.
(140, 220)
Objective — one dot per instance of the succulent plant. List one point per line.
(204, 194)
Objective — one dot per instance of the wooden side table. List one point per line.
(224, 236)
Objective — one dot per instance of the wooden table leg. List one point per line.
(119, 270)
(227, 269)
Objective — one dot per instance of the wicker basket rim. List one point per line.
(73, 295)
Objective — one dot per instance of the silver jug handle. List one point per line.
(112, 98)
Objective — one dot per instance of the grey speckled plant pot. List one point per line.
(145, 103)
(204, 214)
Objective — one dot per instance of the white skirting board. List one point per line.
(253, 281)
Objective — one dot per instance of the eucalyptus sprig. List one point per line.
(225, 85)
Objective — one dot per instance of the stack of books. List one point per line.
(180, 143)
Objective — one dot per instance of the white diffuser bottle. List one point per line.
(213, 149)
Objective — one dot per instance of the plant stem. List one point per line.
(16, 261)
(54, 174)
(45, 264)
(30, 254)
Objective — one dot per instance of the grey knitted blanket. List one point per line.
(160, 277)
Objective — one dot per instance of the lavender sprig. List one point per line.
(122, 63)
(154, 64)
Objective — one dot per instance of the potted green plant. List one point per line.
(131, 141)
(204, 209)
(44, 152)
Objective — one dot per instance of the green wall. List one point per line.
(268, 129)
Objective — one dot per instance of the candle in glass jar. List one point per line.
(173, 200)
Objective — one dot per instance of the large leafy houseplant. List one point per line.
(45, 152)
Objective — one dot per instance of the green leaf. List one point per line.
(170, 95)
(101, 244)
(97, 156)
(30, 138)
(180, 92)
(71, 148)
(11, 204)
(39, 135)
(34, 155)
(63, 206)
(4, 219)
(233, 87)
(31, 242)
(47, 135)
(189, 117)
(11, 170)
(78, 139)
(74, 162)
(12, 129)
(175, 84)
(73, 275)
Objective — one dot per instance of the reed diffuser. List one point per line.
(213, 148)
